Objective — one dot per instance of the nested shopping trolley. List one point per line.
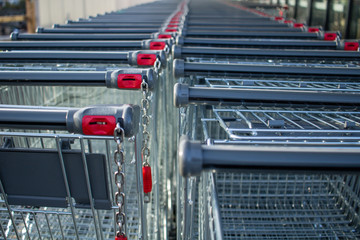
(264, 165)
(59, 89)
(274, 148)
(57, 185)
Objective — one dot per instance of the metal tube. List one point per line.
(184, 68)
(49, 78)
(181, 52)
(236, 24)
(108, 25)
(253, 34)
(32, 118)
(195, 157)
(59, 37)
(260, 43)
(97, 30)
(26, 45)
(184, 95)
(68, 56)
(243, 29)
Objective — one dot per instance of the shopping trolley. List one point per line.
(57, 185)
(270, 167)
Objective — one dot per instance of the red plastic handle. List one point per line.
(98, 125)
(146, 59)
(132, 81)
(157, 45)
(164, 36)
(351, 46)
(311, 29)
(147, 179)
(330, 36)
(298, 25)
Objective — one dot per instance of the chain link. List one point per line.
(119, 159)
(157, 66)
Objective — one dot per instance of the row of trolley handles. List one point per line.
(119, 154)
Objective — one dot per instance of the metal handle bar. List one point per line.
(184, 95)
(182, 52)
(228, 18)
(121, 79)
(242, 29)
(235, 24)
(58, 37)
(152, 44)
(138, 58)
(121, 20)
(92, 120)
(283, 43)
(127, 21)
(100, 25)
(253, 34)
(182, 68)
(97, 30)
(195, 157)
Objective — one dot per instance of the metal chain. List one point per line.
(145, 104)
(119, 159)
(145, 151)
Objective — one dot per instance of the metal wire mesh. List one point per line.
(283, 125)
(288, 206)
(71, 223)
(287, 84)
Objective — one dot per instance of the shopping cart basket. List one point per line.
(58, 185)
(279, 169)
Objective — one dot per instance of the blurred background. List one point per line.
(334, 15)
(26, 15)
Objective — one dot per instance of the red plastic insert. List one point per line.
(171, 30)
(121, 238)
(279, 18)
(311, 29)
(164, 36)
(147, 179)
(330, 36)
(98, 125)
(157, 45)
(146, 59)
(351, 46)
(132, 81)
(298, 25)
